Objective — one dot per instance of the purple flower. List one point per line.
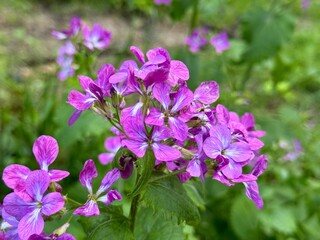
(9, 225)
(89, 172)
(98, 37)
(165, 2)
(305, 4)
(139, 140)
(58, 234)
(220, 144)
(31, 211)
(220, 42)
(65, 61)
(75, 27)
(197, 39)
(112, 144)
(45, 150)
(182, 98)
(207, 92)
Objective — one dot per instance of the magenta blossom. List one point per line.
(74, 29)
(220, 144)
(220, 42)
(65, 61)
(197, 39)
(96, 38)
(30, 212)
(89, 172)
(45, 150)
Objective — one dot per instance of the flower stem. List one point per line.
(167, 175)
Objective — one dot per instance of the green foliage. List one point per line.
(168, 197)
(98, 227)
(265, 32)
(150, 226)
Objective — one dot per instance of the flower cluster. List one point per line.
(78, 35)
(198, 39)
(23, 210)
(182, 128)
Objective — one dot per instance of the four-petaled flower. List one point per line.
(89, 172)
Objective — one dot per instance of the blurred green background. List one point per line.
(272, 69)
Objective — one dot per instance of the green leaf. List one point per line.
(98, 227)
(179, 8)
(243, 218)
(168, 197)
(146, 165)
(157, 227)
(265, 32)
(194, 195)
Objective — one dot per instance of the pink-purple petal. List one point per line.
(112, 144)
(57, 175)
(87, 173)
(207, 92)
(179, 128)
(52, 203)
(164, 152)
(37, 183)
(137, 147)
(85, 82)
(45, 150)
(80, 101)
(239, 152)
(252, 192)
(110, 197)
(89, 209)
(74, 117)
(112, 176)
(138, 53)
(222, 114)
(182, 99)
(232, 170)
(222, 133)
(161, 92)
(15, 173)
(155, 117)
(212, 147)
(106, 158)
(32, 223)
(16, 206)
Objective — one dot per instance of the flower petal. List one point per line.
(74, 117)
(223, 134)
(212, 147)
(232, 170)
(57, 175)
(16, 206)
(15, 173)
(252, 191)
(222, 114)
(87, 173)
(137, 147)
(80, 101)
(182, 99)
(161, 92)
(32, 223)
(45, 150)
(110, 197)
(138, 53)
(260, 165)
(37, 183)
(106, 158)
(179, 128)
(207, 92)
(155, 117)
(164, 152)
(108, 180)
(89, 209)
(112, 144)
(239, 152)
(178, 71)
(52, 203)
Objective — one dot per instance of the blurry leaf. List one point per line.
(168, 197)
(157, 227)
(102, 226)
(265, 32)
(279, 218)
(244, 218)
(179, 8)
(194, 194)
(312, 227)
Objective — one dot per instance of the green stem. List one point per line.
(133, 211)
(194, 17)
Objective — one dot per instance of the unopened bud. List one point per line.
(61, 230)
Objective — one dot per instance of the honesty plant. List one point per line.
(164, 132)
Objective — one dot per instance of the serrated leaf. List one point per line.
(157, 227)
(98, 227)
(168, 197)
(265, 32)
(243, 218)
